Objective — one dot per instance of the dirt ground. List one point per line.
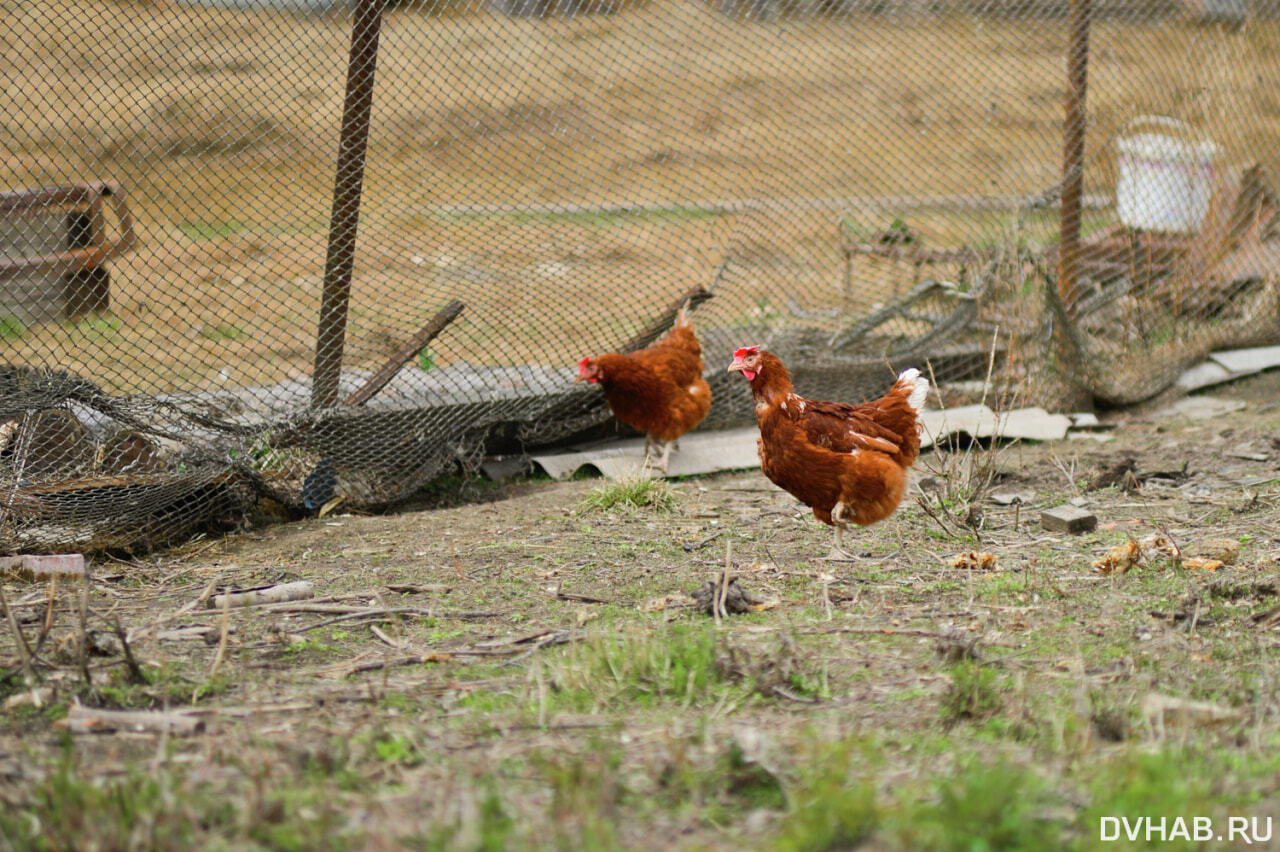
(518, 670)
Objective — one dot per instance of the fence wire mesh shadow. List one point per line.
(285, 252)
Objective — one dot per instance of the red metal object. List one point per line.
(91, 195)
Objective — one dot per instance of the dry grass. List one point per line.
(223, 126)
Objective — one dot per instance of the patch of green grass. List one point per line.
(489, 829)
(974, 693)
(832, 803)
(641, 667)
(586, 790)
(165, 808)
(711, 784)
(310, 646)
(979, 806)
(1174, 781)
(99, 326)
(630, 492)
(217, 685)
(11, 328)
(200, 231)
(397, 749)
(221, 331)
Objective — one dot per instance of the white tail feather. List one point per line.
(919, 388)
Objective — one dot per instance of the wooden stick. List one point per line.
(222, 640)
(24, 650)
(405, 354)
(88, 720)
(84, 633)
(48, 614)
(136, 675)
(415, 659)
(572, 596)
(695, 296)
(299, 590)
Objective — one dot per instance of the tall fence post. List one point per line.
(1073, 153)
(347, 188)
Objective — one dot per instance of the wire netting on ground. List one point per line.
(299, 250)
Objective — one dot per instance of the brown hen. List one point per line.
(659, 391)
(846, 462)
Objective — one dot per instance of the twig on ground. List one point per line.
(299, 590)
(47, 625)
(394, 643)
(928, 510)
(224, 631)
(382, 613)
(83, 650)
(136, 675)
(89, 720)
(791, 696)
(411, 660)
(571, 596)
(690, 547)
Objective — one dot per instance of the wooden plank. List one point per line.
(405, 354)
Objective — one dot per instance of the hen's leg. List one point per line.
(651, 450)
(666, 456)
(837, 519)
(649, 447)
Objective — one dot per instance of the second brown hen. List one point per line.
(659, 390)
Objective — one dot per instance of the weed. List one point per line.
(973, 693)
(831, 807)
(426, 360)
(397, 749)
(961, 477)
(634, 491)
(980, 806)
(677, 663)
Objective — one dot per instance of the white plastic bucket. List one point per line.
(1165, 181)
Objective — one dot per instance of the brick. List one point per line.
(39, 566)
(1068, 519)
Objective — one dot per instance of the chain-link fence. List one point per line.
(304, 249)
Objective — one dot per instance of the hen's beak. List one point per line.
(737, 366)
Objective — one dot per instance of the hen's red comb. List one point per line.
(746, 350)
(583, 362)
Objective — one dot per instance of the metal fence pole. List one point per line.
(345, 217)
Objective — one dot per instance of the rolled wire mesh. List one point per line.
(224, 282)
